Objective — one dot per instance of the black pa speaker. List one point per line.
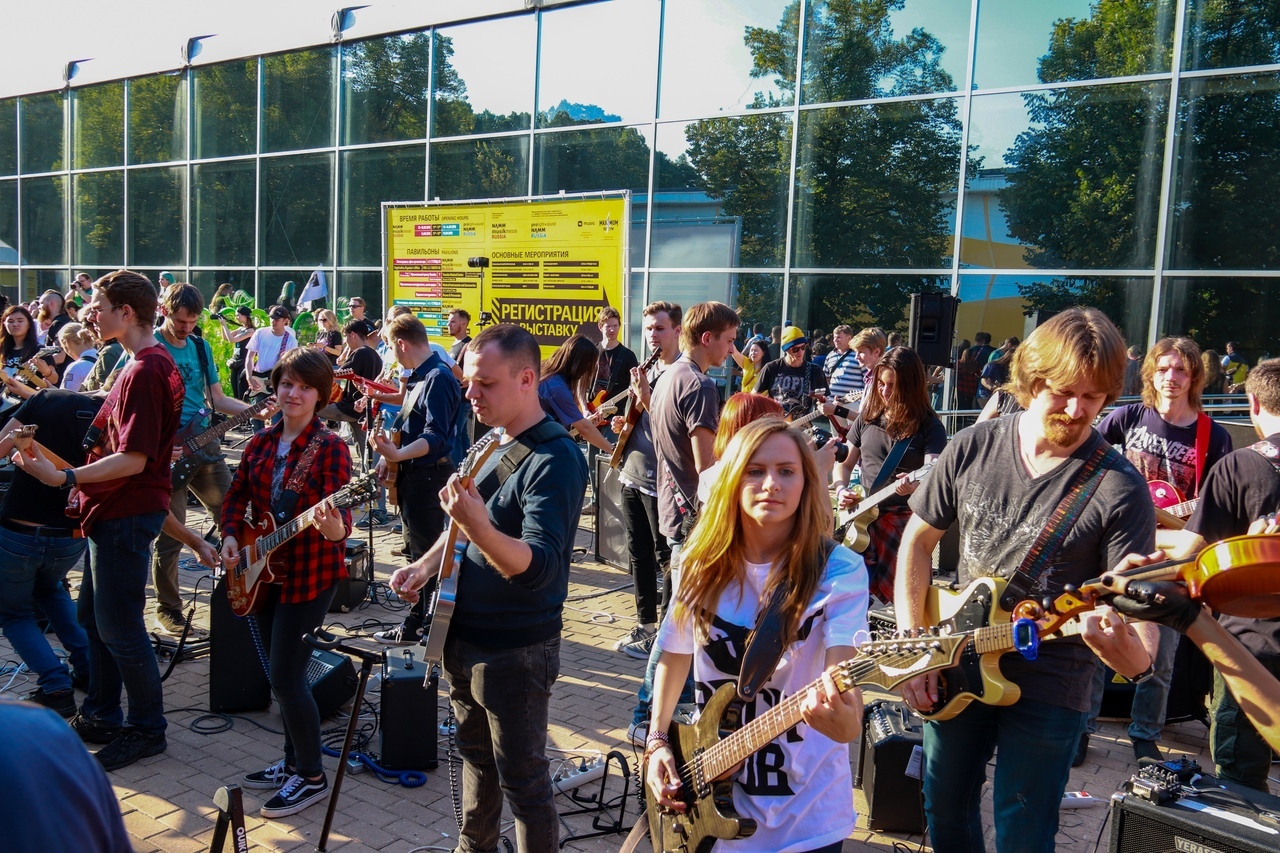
(236, 679)
(333, 680)
(933, 320)
(611, 531)
(891, 734)
(409, 717)
(354, 588)
(1227, 819)
(1188, 689)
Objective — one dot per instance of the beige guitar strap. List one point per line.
(638, 834)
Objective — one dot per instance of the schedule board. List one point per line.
(552, 263)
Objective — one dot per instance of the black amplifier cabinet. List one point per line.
(1217, 821)
(891, 733)
(409, 717)
(353, 589)
(333, 680)
(610, 531)
(237, 681)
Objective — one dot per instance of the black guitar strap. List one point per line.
(891, 463)
(526, 442)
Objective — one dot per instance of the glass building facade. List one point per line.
(813, 162)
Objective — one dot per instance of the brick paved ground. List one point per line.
(167, 805)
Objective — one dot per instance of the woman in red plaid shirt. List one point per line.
(311, 563)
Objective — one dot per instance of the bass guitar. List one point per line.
(252, 572)
(195, 442)
(852, 531)
(1172, 507)
(976, 612)
(442, 603)
(705, 759)
(335, 393)
(633, 415)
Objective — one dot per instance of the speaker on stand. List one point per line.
(933, 320)
(611, 531)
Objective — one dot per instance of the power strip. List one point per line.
(576, 776)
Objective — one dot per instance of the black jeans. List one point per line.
(500, 698)
(647, 550)
(282, 627)
(423, 518)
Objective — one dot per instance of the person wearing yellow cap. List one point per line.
(792, 379)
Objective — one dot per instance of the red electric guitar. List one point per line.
(1172, 506)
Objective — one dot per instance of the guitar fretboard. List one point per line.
(999, 638)
(215, 433)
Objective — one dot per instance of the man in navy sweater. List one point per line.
(502, 654)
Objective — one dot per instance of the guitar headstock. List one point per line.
(651, 360)
(23, 436)
(1065, 607)
(360, 490)
(479, 453)
(921, 472)
(890, 662)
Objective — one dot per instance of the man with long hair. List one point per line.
(1173, 444)
(502, 655)
(1002, 481)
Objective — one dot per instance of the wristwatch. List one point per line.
(71, 478)
(1144, 675)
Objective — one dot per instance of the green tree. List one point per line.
(386, 82)
(157, 118)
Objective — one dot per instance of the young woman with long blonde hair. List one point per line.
(766, 527)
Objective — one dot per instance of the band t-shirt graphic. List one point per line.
(1159, 449)
(765, 787)
(791, 386)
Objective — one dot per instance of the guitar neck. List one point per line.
(216, 432)
(999, 638)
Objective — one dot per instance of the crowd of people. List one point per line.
(730, 510)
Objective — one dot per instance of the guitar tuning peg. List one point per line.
(1046, 604)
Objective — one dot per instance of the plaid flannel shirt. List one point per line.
(308, 563)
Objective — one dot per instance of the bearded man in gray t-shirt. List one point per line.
(1001, 481)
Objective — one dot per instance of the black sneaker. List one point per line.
(62, 701)
(296, 795)
(92, 731)
(270, 779)
(129, 747)
(407, 633)
(1146, 751)
(171, 621)
(80, 680)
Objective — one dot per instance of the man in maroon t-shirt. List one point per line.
(124, 500)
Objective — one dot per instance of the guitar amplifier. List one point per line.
(333, 680)
(1188, 689)
(236, 679)
(891, 735)
(354, 588)
(409, 715)
(1234, 820)
(610, 531)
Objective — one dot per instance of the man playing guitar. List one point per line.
(1173, 444)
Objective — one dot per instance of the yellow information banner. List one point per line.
(548, 265)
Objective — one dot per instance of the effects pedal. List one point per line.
(1162, 781)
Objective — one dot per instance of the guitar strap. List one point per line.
(527, 442)
(1267, 451)
(891, 463)
(1202, 449)
(1083, 485)
(288, 502)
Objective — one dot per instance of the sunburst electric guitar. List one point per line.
(252, 572)
(446, 594)
(1172, 507)
(705, 759)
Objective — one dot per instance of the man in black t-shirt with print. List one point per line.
(363, 360)
(1241, 488)
(792, 379)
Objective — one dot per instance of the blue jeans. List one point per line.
(113, 596)
(1035, 742)
(1150, 698)
(32, 569)
(500, 698)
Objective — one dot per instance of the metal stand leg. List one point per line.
(230, 813)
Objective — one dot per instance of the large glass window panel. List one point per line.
(274, 286)
(1226, 180)
(97, 215)
(297, 100)
(36, 282)
(826, 301)
(43, 133)
(1065, 178)
(366, 285)
(297, 210)
(475, 94)
(1230, 35)
(384, 88)
(1214, 310)
(587, 76)
(158, 118)
(8, 222)
(703, 40)
(720, 190)
(225, 120)
(871, 49)
(1020, 42)
(157, 206)
(1013, 305)
(875, 185)
(9, 285)
(97, 126)
(208, 281)
(369, 178)
(497, 167)
(223, 199)
(588, 160)
(9, 137)
(44, 235)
